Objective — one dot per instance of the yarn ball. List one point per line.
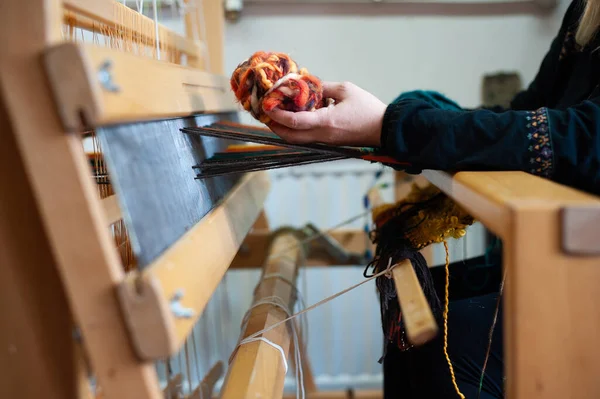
(269, 80)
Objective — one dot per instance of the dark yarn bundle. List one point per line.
(391, 315)
(426, 216)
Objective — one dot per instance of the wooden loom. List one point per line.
(61, 267)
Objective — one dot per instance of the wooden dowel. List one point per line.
(420, 324)
(416, 312)
(257, 369)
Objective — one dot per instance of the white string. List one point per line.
(274, 345)
(278, 302)
(305, 290)
(323, 301)
(300, 301)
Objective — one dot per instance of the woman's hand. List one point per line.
(354, 120)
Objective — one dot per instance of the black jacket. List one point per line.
(551, 129)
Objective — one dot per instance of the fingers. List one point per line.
(299, 120)
(297, 136)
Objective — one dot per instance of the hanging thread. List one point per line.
(491, 335)
(446, 309)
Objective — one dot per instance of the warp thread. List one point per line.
(424, 217)
(269, 80)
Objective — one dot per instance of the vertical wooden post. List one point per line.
(214, 19)
(552, 315)
(36, 325)
(193, 31)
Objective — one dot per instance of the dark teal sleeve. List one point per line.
(563, 145)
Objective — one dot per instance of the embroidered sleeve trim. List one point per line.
(541, 155)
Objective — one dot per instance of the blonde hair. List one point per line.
(589, 23)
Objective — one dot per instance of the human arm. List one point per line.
(563, 145)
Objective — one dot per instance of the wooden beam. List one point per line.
(254, 249)
(188, 273)
(490, 196)
(257, 369)
(104, 86)
(36, 324)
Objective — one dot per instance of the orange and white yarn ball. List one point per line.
(267, 80)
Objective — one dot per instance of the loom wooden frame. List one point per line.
(75, 270)
(550, 347)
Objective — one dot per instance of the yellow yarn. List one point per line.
(440, 220)
(446, 301)
(437, 220)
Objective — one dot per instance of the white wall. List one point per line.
(388, 54)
